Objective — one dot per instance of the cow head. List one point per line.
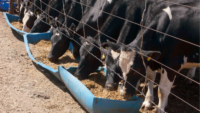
(21, 11)
(60, 42)
(41, 24)
(88, 63)
(112, 66)
(28, 20)
(24, 4)
(130, 62)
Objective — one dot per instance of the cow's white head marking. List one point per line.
(168, 11)
(57, 34)
(110, 1)
(126, 59)
(114, 54)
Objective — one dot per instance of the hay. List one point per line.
(17, 25)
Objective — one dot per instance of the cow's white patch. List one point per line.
(21, 6)
(163, 91)
(26, 29)
(191, 72)
(187, 65)
(197, 53)
(110, 1)
(25, 19)
(31, 13)
(138, 84)
(123, 91)
(38, 16)
(57, 34)
(168, 11)
(86, 43)
(114, 54)
(125, 61)
(149, 95)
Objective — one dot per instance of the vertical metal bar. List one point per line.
(11, 7)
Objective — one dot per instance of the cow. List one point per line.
(52, 11)
(32, 13)
(23, 6)
(107, 24)
(133, 60)
(73, 11)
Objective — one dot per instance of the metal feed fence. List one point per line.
(99, 32)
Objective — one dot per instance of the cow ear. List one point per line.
(104, 53)
(152, 55)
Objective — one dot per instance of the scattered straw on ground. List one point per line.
(17, 25)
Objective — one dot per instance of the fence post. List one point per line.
(18, 5)
(11, 7)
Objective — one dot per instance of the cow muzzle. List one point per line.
(52, 58)
(127, 96)
(80, 76)
(111, 86)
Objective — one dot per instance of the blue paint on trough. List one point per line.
(9, 18)
(79, 91)
(4, 5)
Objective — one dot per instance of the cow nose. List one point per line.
(80, 76)
(111, 86)
(52, 59)
(127, 96)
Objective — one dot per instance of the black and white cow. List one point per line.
(52, 11)
(174, 20)
(107, 24)
(23, 7)
(127, 34)
(30, 15)
(112, 27)
(74, 12)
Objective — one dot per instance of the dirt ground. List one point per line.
(26, 88)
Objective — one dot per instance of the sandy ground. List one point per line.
(26, 88)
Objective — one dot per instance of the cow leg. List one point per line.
(149, 95)
(191, 74)
(164, 89)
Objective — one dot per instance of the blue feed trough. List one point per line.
(80, 92)
(4, 5)
(9, 18)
